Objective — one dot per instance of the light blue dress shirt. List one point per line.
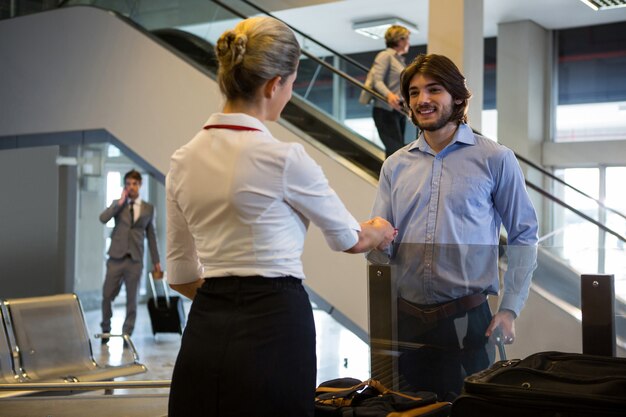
(448, 208)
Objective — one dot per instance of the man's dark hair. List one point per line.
(135, 175)
(443, 70)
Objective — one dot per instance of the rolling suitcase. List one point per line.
(547, 384)
(166, 313)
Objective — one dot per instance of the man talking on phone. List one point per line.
(134, 221)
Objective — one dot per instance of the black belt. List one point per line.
(429, 314)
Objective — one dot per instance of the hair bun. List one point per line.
(238, 47)
(231, 47)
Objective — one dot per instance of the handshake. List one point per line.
(376, 233)
(384, 230)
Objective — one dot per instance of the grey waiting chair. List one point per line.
(51, 342)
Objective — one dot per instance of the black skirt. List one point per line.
(248, 350)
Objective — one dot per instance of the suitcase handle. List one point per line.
(166, 291)
(500, 343)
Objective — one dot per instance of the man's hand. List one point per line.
(388, 232)
(505, 320)
(123, 197)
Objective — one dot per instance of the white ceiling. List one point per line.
(331, 22)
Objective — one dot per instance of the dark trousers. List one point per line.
(248, 350)
(390, 126)
(437, 356)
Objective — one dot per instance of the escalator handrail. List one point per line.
(339, 54)
(574, 210)
(325, 64)
(559, 180)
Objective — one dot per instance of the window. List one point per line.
(591, 83)
(588, 248)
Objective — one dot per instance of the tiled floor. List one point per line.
(339, 352)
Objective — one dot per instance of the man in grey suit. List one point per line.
(134, 220)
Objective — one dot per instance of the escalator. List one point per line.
(325, 130)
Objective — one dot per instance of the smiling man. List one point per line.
(448, 193)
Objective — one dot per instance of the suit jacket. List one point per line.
(129, 240)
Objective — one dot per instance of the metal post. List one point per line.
(597, 303)
(382, 325)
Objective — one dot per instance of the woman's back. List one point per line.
(230, 187)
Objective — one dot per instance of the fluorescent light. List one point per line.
(604, 4)
(376, 28)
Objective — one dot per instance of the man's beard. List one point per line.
(444, 119)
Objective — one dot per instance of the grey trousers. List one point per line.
(121, 271)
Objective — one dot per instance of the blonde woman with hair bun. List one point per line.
(239, 202)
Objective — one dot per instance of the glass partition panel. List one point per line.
(429, 314)
(576, 234)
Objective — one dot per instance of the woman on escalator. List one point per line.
(238, 205)
(388, 117)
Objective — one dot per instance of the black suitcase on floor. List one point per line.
(166, 313)
(547, 384)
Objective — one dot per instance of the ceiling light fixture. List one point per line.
(604, 4)
(376, 28)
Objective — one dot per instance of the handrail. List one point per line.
(347, 58)
(328, 66)
(574, 210)
(559, 180)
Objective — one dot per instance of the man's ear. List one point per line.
(457, 102)
(271, 86)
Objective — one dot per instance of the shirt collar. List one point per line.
(237, 119)
(463, 134)
(137, 201)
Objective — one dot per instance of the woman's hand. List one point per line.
(394, 101)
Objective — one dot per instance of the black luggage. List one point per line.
(547, 384)
(166, 313)
(345, 397)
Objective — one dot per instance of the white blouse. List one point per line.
(239, 203)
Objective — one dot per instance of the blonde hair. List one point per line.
(256, 50)
(394, 33)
